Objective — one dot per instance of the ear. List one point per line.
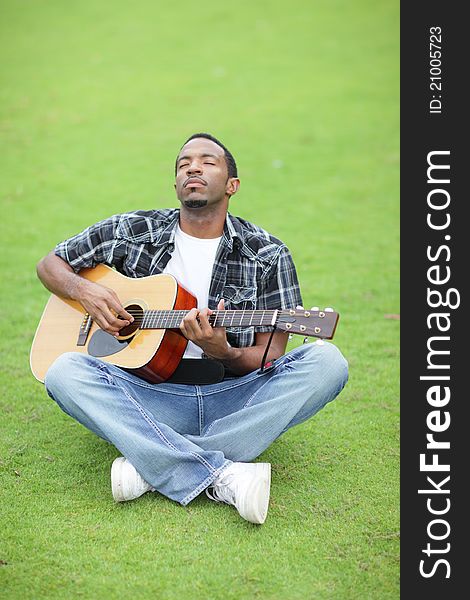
(231, 188)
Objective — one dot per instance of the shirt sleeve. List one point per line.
(281, 289)
(92, 246)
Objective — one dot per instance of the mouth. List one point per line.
(194, 182)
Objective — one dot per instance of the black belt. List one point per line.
(199, 371)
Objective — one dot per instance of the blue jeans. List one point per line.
(179, 437)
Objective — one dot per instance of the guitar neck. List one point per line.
(171, 319)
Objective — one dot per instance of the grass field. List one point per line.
(95, 100)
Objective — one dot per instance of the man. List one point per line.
(181, 439)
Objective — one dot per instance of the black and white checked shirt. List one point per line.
(252, 269)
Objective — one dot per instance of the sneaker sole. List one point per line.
(116, 479)
(258, 492)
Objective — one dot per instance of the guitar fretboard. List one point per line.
(171, 319)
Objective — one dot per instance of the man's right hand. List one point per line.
(103, 305)
(99, 301)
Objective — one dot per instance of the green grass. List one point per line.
(95, 99)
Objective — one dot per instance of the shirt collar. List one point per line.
(164, 235)
(233, 233)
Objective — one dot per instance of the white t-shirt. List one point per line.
(191, 263)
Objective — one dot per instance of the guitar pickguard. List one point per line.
(104, 344)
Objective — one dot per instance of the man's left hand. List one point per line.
(212, 340)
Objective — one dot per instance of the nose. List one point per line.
(194, 168)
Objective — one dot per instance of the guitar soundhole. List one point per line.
(138, 313)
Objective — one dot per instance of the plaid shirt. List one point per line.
(252, 269)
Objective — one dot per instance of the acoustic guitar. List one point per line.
(152, 346)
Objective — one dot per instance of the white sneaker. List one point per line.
(246, 486)
(126, 483)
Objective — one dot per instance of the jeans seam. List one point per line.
(200, 404)
(203, 461)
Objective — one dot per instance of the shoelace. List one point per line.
(221, 492)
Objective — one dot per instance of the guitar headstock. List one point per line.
(314, 322)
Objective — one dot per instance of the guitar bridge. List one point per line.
(84, 329)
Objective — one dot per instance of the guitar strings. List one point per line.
(152, 317)
(186, 310)
(171, 313)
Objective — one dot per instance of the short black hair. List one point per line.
(231, 164)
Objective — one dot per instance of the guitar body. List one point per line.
(152, 354)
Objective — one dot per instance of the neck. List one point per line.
(171, 319)
(206, 222)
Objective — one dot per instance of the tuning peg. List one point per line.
(290, 336)
(305, 340)
(320, 343)
(314, 308)
(328, 309)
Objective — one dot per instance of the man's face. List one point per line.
(202, 175)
